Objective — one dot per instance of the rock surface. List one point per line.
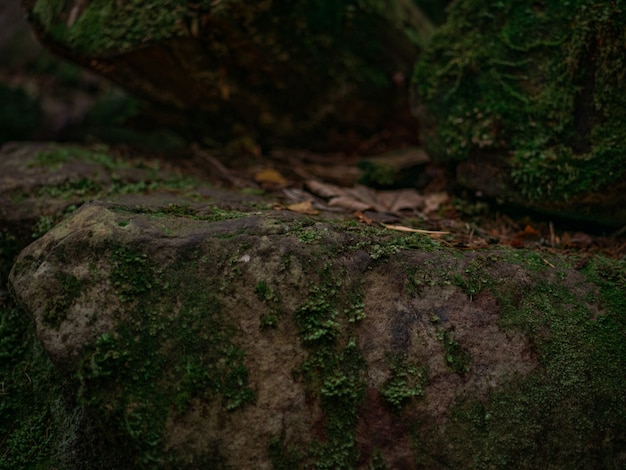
(528, 99)
(39, 182)
(277, 71)
(202, 337)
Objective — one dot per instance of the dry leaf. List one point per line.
(349, 203)
(402, 199)
(363, 218)
(361, 198)
(305, 207)
(270, 177)
(367, 196)
(324, 189)
(433, 201)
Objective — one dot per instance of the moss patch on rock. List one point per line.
(382, 348)
(535, 86)
(578, 337)
(173, 346)
(31, 390)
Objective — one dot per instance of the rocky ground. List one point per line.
(248, 317)
(167, 304)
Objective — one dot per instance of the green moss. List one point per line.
(457, 358)
(70, 288)
(378, 461)
(269, 297)
(571, 409)
(175, 344)
(283, 459)
(84, 188)
(55, 157)
(131, 283)
(333, 370)
(534, 85)
(31, 391)
(97, 185)
(102, 26)
(380, 244)
(407, 381)
(475, 276)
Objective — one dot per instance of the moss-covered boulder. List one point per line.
(40, 183)
(528, 97)
(199, 337)
(276, 70)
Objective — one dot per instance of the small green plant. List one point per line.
(475, 276)
(316, 318)
(43, 225)
(70, 289)
(132, 273)
(334, 367)
(30, 394)
(356, 311)
(282, 458)
(407, 381)
(269, 296)
(264, 292)
(457, 358)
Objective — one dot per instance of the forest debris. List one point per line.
(305, 207)
(296, 195)
(362, 198)
(402, 228)
(363, 218)
(433, 201)
(268, 177)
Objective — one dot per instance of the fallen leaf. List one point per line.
(363, 218)
(349, 203)
(361, 198)
(305, 207)
(401, 199)
(324, 189)
(270, 177)
(433, 201)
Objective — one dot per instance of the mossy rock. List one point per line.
(202, 337)
(277, 70)
(40, 183)
(527, 97)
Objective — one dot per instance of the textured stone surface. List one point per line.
(528, 99)
(277, 71)
(198, 336)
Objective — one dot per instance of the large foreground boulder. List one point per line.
(199, 337)
(279, 71)
(528, 99)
